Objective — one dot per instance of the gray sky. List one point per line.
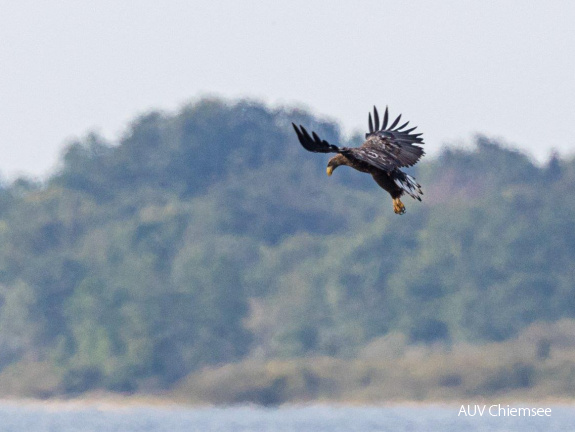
(454, 68)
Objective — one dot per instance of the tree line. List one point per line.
(209, 236)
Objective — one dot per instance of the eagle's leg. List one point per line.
(398, 206)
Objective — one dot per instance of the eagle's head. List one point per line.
(334, 162)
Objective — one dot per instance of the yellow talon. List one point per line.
(398, 206)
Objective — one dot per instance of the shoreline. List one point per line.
(120, 402)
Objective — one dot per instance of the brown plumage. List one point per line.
(384, 151)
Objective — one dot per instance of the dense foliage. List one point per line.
(210, 235)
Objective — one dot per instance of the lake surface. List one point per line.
(36, 417)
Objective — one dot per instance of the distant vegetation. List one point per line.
(209, 237)
(524, 368)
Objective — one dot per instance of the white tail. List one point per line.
(409, 186)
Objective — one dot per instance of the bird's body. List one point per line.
(384, 151)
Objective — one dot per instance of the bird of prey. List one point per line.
(384, 152)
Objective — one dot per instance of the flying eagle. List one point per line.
(384, 151)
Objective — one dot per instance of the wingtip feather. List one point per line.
(385, 118)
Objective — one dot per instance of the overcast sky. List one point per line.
(454, 68)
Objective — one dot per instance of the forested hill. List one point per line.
(209, 235)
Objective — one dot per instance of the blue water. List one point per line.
(319, 418)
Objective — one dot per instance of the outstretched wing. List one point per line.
(314, 143)
(390, 147)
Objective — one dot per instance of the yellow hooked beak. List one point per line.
(329, 170)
